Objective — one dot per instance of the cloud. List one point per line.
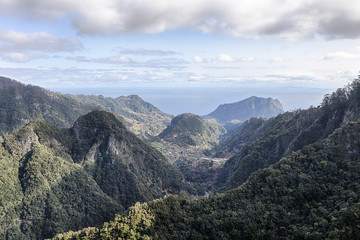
(114, 60)
(229, 59)
(226, 58)
(341, 56)
(147, 52)
(123, 60)
(247, 59)
(21, 57)
(199, 59)
(277, 59)
(280, 18)
(36, 41)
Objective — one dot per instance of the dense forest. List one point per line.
(311, 192)
(20, 104)
(54, 179)
(258, 144)
(292, 176)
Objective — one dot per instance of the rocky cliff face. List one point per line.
(245, 109)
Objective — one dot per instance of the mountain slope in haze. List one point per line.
(185, 142)
(141, 117)
(246, 133)
(189, 129)
(245, 109)
(54, 179)
(19, 104)
(290, 132)
(311, 194)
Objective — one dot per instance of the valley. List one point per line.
(179, 120)
(121, 168)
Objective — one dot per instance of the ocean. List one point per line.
(203, 100)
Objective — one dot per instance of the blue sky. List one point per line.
(166, 43)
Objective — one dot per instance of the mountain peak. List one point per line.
(95, 123)
(190, 129)
(245, 109)
(184, 123)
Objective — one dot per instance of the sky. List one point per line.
(67, 44)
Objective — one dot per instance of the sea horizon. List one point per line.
(204, 100)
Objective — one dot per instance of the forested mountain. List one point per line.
(293, 176)
(54, 179)
(246, 133)
(184, 142)
(245, 109)
(289, 132)
(141, 117)
(189, 129)
(310, 194)
(304, 184)
(19, 104)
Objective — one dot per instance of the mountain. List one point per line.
(246, 133)
(186, 142)
(55, 179)
(189, 129)
(245, 109)
(19, 104)
(310, 194)
(289, 132)
(142, 118)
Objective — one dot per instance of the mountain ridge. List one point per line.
(63, 179)
(245, 109)
(20, 103)
(310, 194)
(289, 132)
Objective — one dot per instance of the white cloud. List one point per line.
(277, 59)
(123, 60)
(198, 59)
(248, 59)
(242, 18)
(21, 57)
(13, 41)
(147, 52)
(341, 56)
(196, 77)
(114, 60)
(226, 58)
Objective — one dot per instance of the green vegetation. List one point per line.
(140, 117)
(135, 224)
(188, 130)
(290, 132)
(293, 176)
(20, 104)
(185, 142)
(53, 180)
(311, 194)
(246, 133)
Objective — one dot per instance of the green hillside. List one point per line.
(290, 132)
(53, 179)
(186, 142)
(141, 117)
(246, 133)
(20, 104)
(190, 130)
(311, 194)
